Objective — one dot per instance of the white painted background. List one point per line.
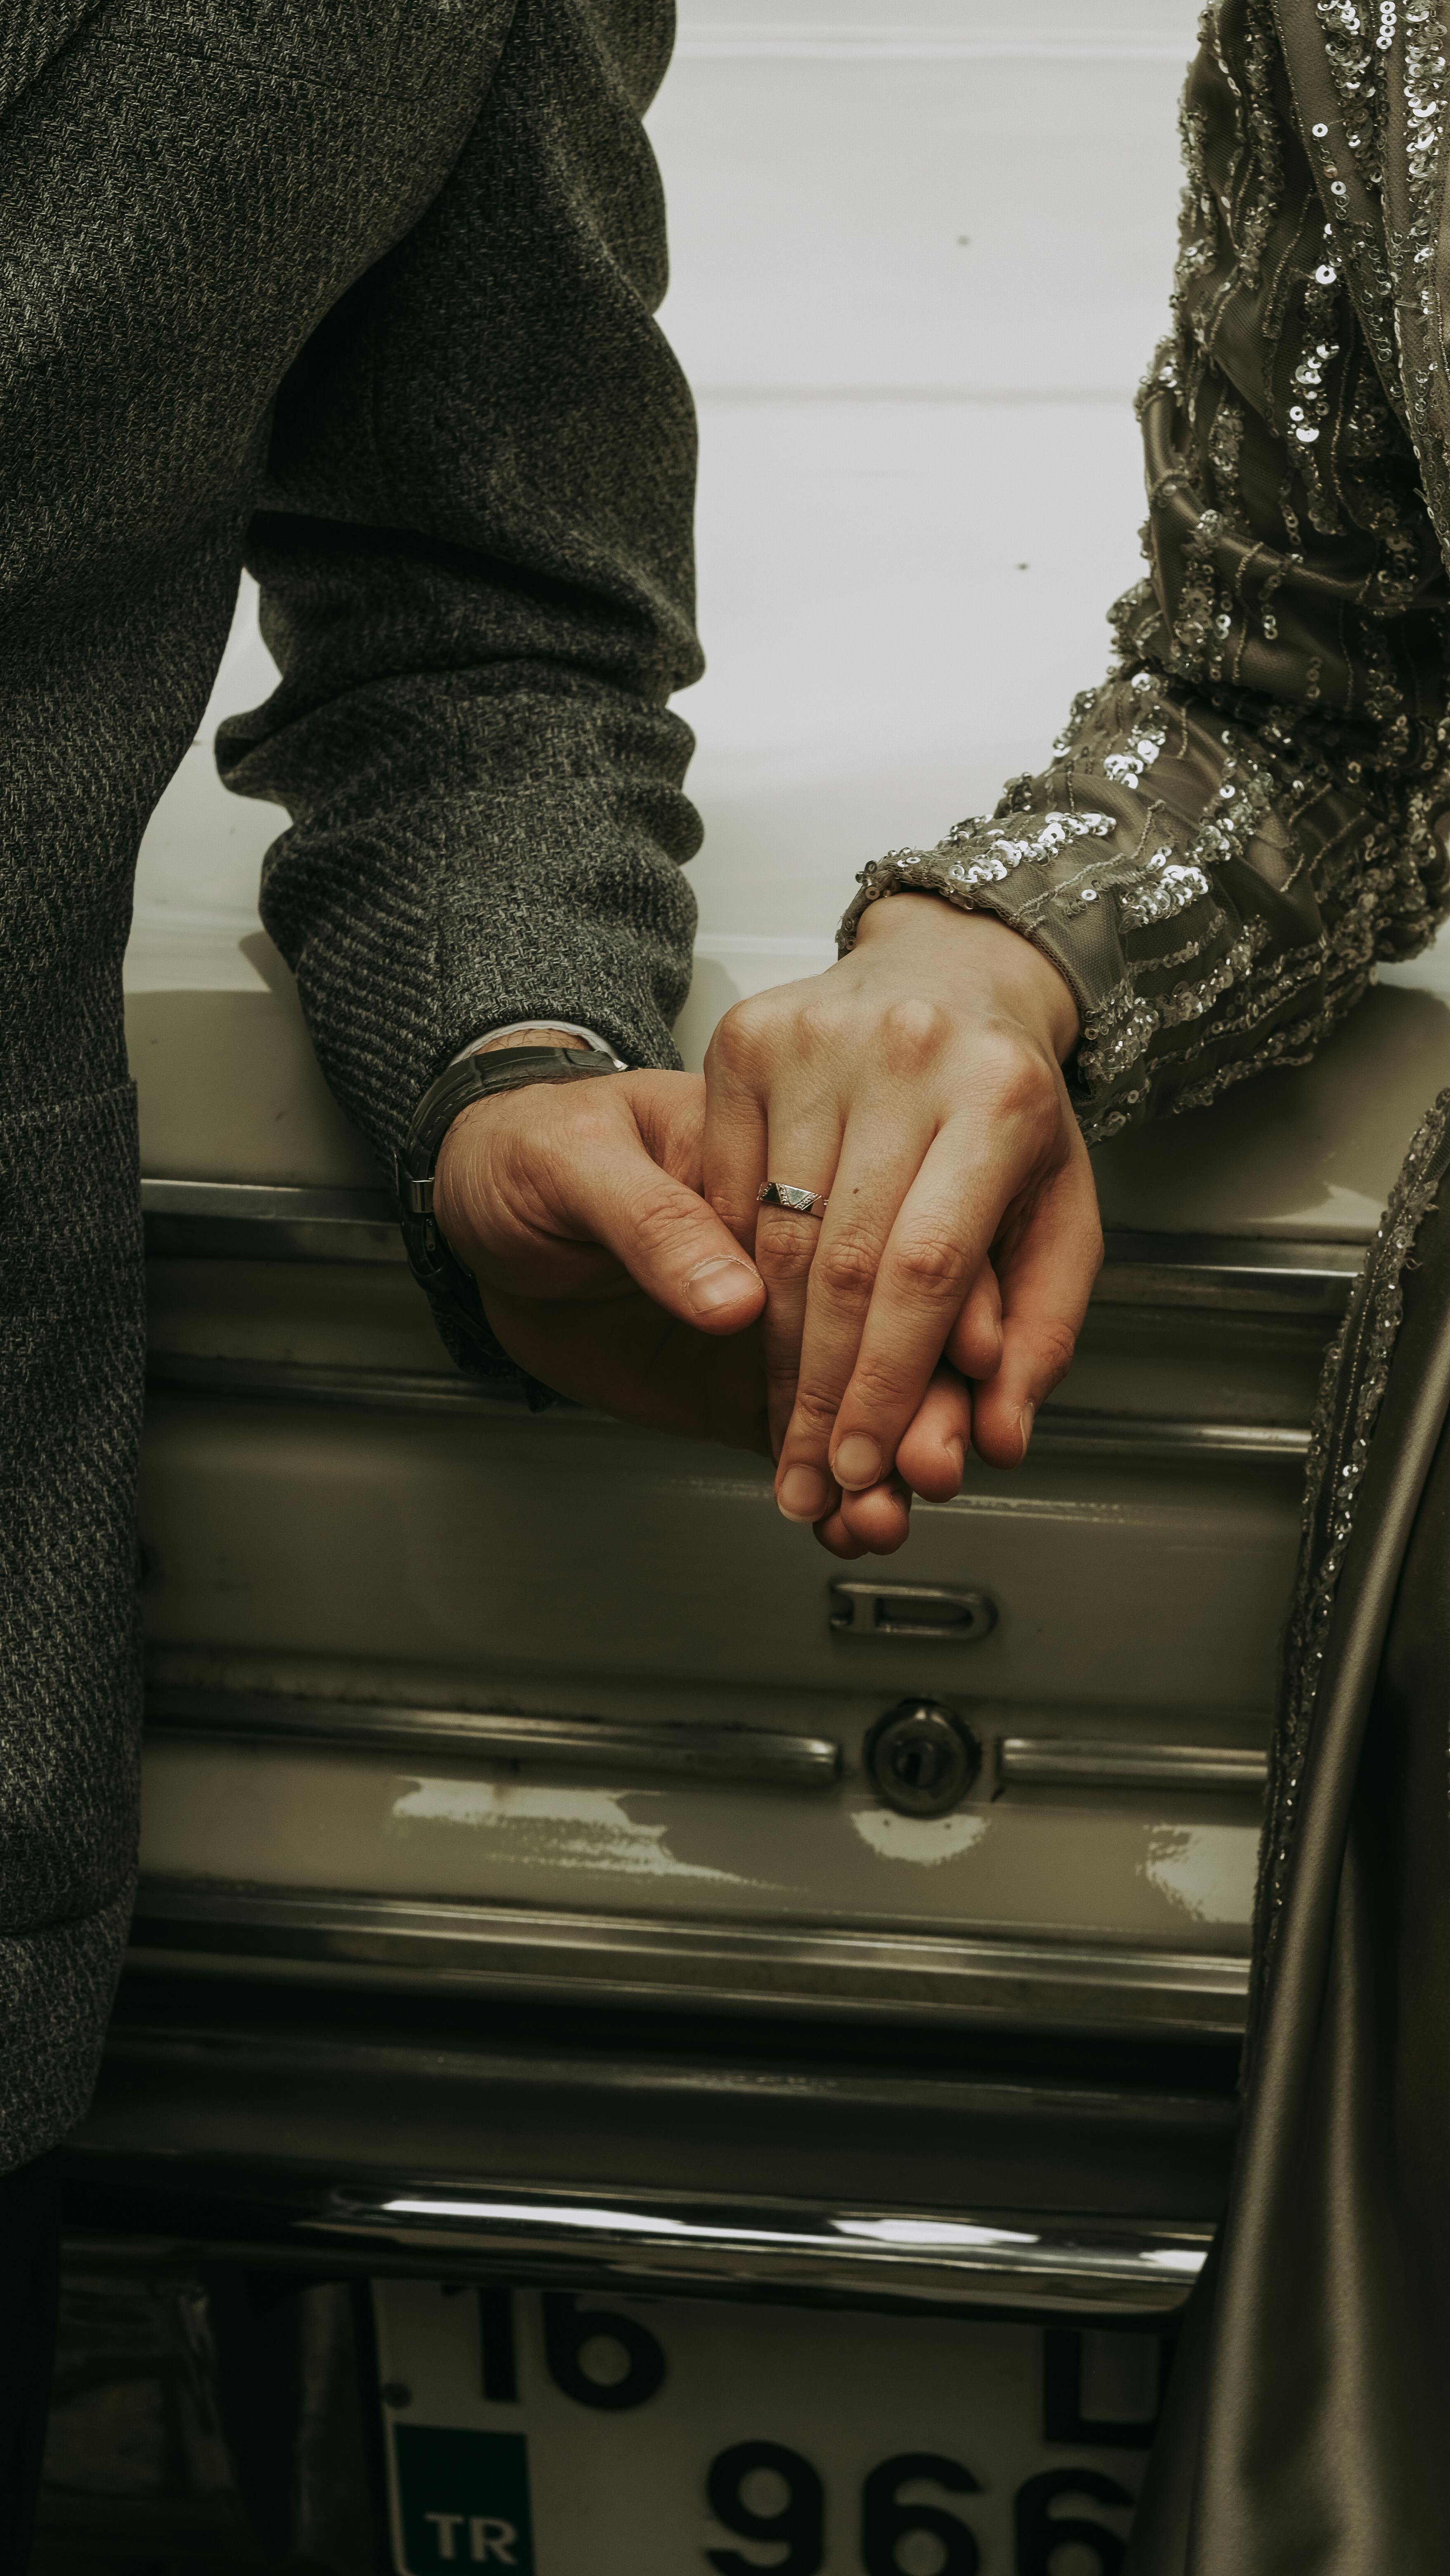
(920, 258)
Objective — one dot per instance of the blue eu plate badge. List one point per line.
(463, 2500)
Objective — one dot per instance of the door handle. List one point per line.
(943, 1611)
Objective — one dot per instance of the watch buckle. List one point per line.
(415, 1197)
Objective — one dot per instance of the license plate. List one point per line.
(555, 2435)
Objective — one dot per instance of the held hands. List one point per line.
(917, 1083)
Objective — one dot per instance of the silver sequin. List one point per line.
(1324, 767)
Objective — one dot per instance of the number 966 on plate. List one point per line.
(549, 2434)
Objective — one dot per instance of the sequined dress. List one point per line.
(1253, 808)
(1255, 804)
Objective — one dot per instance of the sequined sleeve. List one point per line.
(1243, 817)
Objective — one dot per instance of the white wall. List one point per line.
(920, 259)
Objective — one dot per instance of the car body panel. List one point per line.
(510, 1842)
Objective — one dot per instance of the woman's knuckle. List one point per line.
(816, 1024)
(846, 1266)
(781, 1362)
(738, 1041)
(877, 1386)
(913, 1032)
(1025, 1084)
(782, 1254)
(815, 1413)
(926, 1265)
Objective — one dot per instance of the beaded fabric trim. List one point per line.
(1356, 1373)
(1254, 806)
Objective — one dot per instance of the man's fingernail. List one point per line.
(804, 1494)
(857, 1461)
(1024, 1422)
(717, 1283)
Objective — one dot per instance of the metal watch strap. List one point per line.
(474, 1077)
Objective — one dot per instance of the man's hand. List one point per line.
(918, 1084)
(601, 1270)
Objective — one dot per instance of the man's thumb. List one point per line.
(674, 1247)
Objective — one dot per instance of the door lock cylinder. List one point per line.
(922, 1758)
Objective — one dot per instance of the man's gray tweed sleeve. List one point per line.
(474, 551)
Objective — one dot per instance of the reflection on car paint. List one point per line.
(571, 1827)
(922, 1840)
(1207, 1869)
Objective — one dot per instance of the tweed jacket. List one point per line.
(1254, 805)
(361, 292)
(474, 548)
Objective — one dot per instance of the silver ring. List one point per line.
(800, 1202)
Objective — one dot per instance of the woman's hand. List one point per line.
(918, 1084)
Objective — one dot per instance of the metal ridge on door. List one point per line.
(929, 2258)
(756, 1754)
(475, 2226)
(1083, 1762)
(1248, 1273)
(209, 1927)
(1066, 1429)
(1060, 1430)
(252, 1221)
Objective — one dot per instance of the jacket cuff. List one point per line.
(1079, 936)
(552, 1028)
(1076, 933)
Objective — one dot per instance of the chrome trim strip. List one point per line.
(307, 1382)
(246, 1219)
(1257, 1274)
(1061, 1430)
(918, 2256)
(266, 1203)
(211, 1926)
(1076, 1762)
(1072, 1430)
(751, 1753)
(473, 2226)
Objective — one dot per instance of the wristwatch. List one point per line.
(473, 1077)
